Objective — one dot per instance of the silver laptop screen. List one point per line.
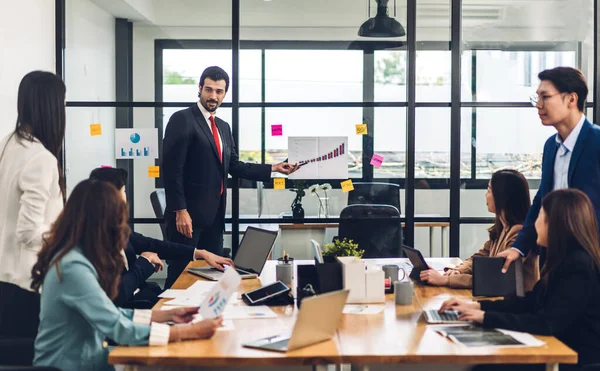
(254, 249)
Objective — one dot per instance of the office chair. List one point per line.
(159, 204)
(375, 193)
(376, 229)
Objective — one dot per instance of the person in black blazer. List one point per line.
(198, 153)
(565, 302)
(571, 157)
(150, 251)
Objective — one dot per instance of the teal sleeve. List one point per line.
(82, 292)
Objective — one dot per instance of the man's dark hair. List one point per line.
(114, 176)
(567, 80)
(216, 74)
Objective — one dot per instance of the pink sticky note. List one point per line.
(376, 160)
(276, 130)
(105, 166)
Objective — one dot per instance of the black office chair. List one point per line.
(159, 204)
(375, 193)
(376, 229)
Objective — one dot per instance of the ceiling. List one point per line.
(543, 20)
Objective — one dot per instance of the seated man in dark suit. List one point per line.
(151, 251)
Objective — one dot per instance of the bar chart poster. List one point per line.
(136, 143)
(319, 157)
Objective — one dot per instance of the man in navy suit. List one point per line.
(133, 287)
(571, 157)
(198, 153)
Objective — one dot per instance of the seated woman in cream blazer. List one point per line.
(508, 197)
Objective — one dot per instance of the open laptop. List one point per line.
(250, 258)
(318, 319)
(435, 317)
(449, 316)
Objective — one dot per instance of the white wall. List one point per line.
(90, 76)
(26, 44)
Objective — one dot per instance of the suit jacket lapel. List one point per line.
(585, 129)
(204, 128)
(548, 169)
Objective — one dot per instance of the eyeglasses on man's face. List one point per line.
(535, 98)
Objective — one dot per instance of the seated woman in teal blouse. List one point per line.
(78, 272)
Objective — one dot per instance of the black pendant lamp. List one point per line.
(382, 25)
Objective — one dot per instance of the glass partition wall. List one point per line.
(445, 105)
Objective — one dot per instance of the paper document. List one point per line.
(248, 312)
(475, 336)
(187, 301)
(226, 325)
(363, 309)
(319, 157)
(136, 143)
(216, 299)
(169, 307)
(173, 293)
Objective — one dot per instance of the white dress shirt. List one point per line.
(207, 115)
(563, 156)
(31, 201)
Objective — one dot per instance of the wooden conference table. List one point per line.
(398, 335)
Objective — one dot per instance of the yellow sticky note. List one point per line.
(347, 185)
(153, 171)
(361, 129)
(95, 129)
(278, 183)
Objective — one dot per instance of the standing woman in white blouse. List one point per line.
(31, 196)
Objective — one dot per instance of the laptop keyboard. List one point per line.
(447, 316)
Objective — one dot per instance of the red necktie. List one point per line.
(215, 134)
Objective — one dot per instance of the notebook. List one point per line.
(488, 279)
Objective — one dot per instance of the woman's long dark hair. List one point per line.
(95, 220)
(511, 197)
(572, 224)
(41, 113)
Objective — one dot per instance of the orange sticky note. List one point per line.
(153, 171)
(347, 185)
(95, 129)
(278, 183)
(361, 129)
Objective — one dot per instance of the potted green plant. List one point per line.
(344, 247)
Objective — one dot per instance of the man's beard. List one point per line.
(208, 108)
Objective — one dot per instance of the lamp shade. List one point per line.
(382, 25)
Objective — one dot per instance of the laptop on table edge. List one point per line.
(251, 256)
(318, 319)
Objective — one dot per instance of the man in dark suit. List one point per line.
(571, 157)
(133, 288)
(198, 153)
